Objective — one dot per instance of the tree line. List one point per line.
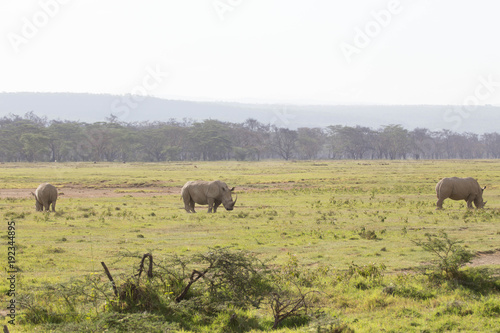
(31, 138)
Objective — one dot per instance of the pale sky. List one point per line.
(273, 51)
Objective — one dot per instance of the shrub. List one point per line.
(367, 234)
(222, 277)
(370, 271)
(449, 256)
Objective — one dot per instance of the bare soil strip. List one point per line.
(85, 192)
(486, 258)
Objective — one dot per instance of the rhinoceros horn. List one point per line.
(234, 202)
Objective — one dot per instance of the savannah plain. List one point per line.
(310, 220)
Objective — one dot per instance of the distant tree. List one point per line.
(249, 139)
(422, 143)
(283, 142)
(394, 141)
(33, 138)
(491, 142)
(102, 139)
(210, 140)
(310, 142)
(350, 142)
(35, 146)
(23, 139)
(153, 141)
(11, 148)
(63, 138)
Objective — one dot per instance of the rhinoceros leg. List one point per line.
(187, 208)
(46, 205)
(188, 204)
(211, 202)
(439, 204)
(216, 205)
(469, 200)
(191, 206)
(53, 206)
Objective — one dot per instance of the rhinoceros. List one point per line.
(45, 195)
(211, 193)
(455, 188)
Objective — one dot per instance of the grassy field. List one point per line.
(320, 216)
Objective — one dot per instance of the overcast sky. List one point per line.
(278, 51)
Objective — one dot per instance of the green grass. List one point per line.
(326, 214)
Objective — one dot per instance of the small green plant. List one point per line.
(242, 215)
(449, 255)
(367, 234)
(363, 275)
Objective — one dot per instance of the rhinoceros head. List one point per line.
(226, 197)
(479, 200)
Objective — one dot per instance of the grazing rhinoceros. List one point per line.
(456, 188)
(211, 193)
(45, 195)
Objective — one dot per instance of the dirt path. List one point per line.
(107, 192)
(85, 192)
(486, 258)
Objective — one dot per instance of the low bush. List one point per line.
(449, 256)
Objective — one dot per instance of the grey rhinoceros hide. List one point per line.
(455, 188)
(45, 196)
(211, 193)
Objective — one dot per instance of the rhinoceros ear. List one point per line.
(33, 194)
(483, 188)
(232, 189)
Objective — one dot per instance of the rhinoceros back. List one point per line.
(457, 188)
(46, 192)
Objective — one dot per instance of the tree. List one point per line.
(210, 140)
(491, 142)
(249, 139)
(35, 146)
(350, 142)
(422, 143)
(283, 142)
(18, 138)
(153, 141)
(101, 140)
(394, 141)
(63, 138)
(310, 142)
(33, 138)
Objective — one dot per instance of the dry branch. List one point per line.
(110, 277)
(141, 267)
(195, 276)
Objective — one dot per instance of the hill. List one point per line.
(94, 107)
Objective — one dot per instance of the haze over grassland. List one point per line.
(99, 107)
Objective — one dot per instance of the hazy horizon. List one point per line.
(280, 53)
(396, 52)
(99, 107)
